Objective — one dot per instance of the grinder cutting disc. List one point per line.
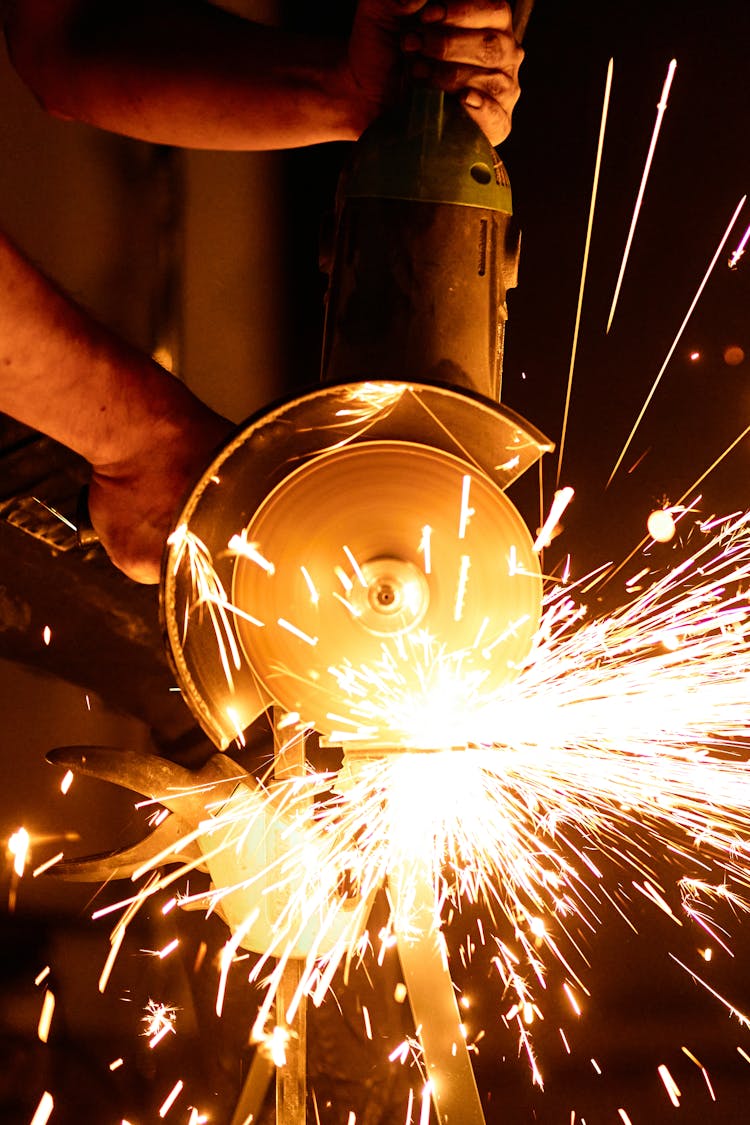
(384, 575)
(293, 481)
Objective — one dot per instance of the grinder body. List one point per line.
(425, 251)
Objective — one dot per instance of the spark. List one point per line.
(355, 567)
(466, 511)
(314, 595)
(19, 846)
(740, 1016)
(42, 976)
(560, 502)
(425, 548)
(274, 1044)
(116, 1064)
(45, 1016)
(240, 545)
(312, 641)
(372, 400)
(584, 267)
(678, 337)
(703, 1071)
(463, 578)
(46, 634)
(66, 782)
(673, 1090)
(44, 1109)
(171, 1098)
(424, 1114)
(661, 110)
(46, 865)
(734, 260)
(661, 525)
(54, 512)
(160, 1021)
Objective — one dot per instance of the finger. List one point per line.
(494, 85)
(469, 13)
(490, 49)
(492, 117)
(488, 97)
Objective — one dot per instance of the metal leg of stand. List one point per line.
(291, 1079)
(433, 1000)
(254, 1091)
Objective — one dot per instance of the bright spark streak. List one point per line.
(735, 258)
(240, 545)
(54, 512)
(678, 337)
(584, 268)
(45, 1016)
(46, 865)
(466, 512)
(673, 1090)
(740, 1016)
(171, 1098)
(314, 595)
(425, 548)
(312, 641)
(355, 567)
(344, 579)
(44, 1109)
(661, 110)
(66, 782)
(463, 579)
(19, 846)
(424, 1115)
(560, 501)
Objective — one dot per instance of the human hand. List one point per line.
(465, 47)
(134, 502)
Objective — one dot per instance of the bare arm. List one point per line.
(146, 436)
(186, 73)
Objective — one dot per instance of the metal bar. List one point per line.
(291, 1078)
(424, 960)
(254, 1091)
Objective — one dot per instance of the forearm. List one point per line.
(64, 374)
(185, 73)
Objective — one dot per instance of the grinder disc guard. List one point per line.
(350, 556)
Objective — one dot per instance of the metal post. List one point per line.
(291, 1079)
